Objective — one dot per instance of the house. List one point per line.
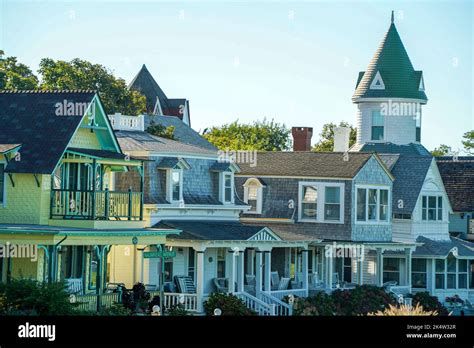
(389, 97)
(458, 179)
(157, 103)
(58, 154)
(188, 188)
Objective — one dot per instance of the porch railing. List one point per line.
(100, 205)
(256, 305)
(189, 301)
(280, 294)
(89, 302)
(281, 308)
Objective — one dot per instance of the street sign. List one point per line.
(158, 254)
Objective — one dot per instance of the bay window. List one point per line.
(432, 208)
(451, 273)
(321, 202)
(439, 271)
(372, 204)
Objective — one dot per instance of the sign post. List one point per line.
(161, 254)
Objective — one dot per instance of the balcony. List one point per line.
(96, 205)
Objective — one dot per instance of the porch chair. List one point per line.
(221, 284)
(275, 280)
(185, 284)
(314, 282)
(251, 286)
(283, 285)
(75, 286)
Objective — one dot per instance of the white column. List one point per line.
(199, 279)
(360, 271)
(304, 258)
(379, 267)
(330, 263)
(258, 272)
(408, 267)
(267, 272)
(433, 276)
(232, 277)
(240, 271)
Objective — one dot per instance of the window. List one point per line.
(227, 187)
(221, 263)
(372, 205)
(462, 274)
(418, 273)
(168, 269)
(309, 203)
(439, 270)
(175, 185)
(2, 183)
(347, 274)
(431, 208)
(321, 202)
(377, 125)
(332, 204)
(71, 257)
(391, 270)
(253, 191)
(451, 276)
(418, 124)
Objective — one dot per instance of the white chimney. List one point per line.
(341, 139)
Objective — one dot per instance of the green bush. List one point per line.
(361, 300)
(29, 297)
(228, 304)
(177, 311)
(429, 303)
(116, 309)
(320, 304)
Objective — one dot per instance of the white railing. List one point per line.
(258, 306)
(280, 294)
(281, 308)
(127, 123)
(171, 299)
(89, 302)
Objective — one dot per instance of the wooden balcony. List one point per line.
(96, 205)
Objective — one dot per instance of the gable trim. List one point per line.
(377, 82)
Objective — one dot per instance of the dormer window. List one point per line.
(227, 187)
(253, 193)
(377, 82)
(176, 176)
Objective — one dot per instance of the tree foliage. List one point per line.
(442, 150)
(160, 130)
(81, 74)
(468, 143)
(260, 135)
(326, 137)
(15, 75)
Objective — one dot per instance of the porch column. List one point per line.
(268, 270)
(379, 266)
(240, 271)
(329, 267)
(360, 270)
(232, 278)
(258, 271)
(304, 259)
(408, 267)
(433, 276)
(199, 279)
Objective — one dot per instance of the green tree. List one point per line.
(326, 137)
(81, 74)
(468, 143)
(260, 135)
(15, 75)
(442, 150)
(160, 130)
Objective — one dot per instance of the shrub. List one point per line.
(454, 300)
(137, 299)
(116, 309)
(361, 300)
(429, 303)
(228, 304)
(320, 304)
(177, 311)
(404, 310)
(30, 297)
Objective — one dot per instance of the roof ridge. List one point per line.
(15, 91)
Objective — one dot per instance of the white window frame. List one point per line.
(437, 196)
(222, 177)
(256, 183)
(321, 201)
(377, 221)
(3, 203)
(457, 273)
(169, 184)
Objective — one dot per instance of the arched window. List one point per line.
(253, 195)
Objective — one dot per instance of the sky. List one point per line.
(294, 62)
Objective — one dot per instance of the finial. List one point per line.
(393, 17)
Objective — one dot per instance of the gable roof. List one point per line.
(182, 132)
(306, 163)
(29, 118)
(215, 230)
(143, 141)
(391, 61)
(144, 83)
(458, 180)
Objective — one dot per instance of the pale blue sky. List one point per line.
(296, 62)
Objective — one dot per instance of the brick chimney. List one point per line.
(302, 138)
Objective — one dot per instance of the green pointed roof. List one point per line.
(398, 75)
